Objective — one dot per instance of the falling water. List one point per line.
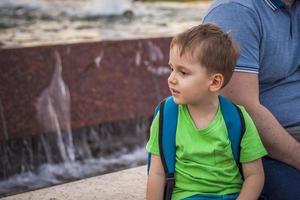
(97, 150)
(49, 174)
(53, 107)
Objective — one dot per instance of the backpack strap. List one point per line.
(235, 125)
(168, 115)
(167, 137)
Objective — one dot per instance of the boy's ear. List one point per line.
(216, 83)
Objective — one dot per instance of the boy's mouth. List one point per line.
(173, 91)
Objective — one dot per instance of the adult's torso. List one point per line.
(279, 72)
(279, 55)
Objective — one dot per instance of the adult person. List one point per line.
(267, 81)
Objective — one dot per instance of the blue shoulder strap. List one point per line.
(167, 138)
(235, 124)
(168, 119)
(168, 114)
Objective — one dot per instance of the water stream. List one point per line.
(53, 108)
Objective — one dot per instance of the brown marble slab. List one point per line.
(104, 81)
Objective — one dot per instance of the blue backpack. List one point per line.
(168, 115)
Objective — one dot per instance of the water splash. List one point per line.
(104, 7)
(98, 59)
(155, 52)
(138, 58)
(159, 71)
(99, 149)
(53, 107)
(50, 174)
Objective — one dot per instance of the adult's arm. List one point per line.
(243, 89)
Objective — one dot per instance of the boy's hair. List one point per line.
(212, 47)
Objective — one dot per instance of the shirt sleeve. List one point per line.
(242, 23)
(251, 145)
(152, 145)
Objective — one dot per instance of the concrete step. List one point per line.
(126, 184)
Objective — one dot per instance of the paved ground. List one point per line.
(126, 184)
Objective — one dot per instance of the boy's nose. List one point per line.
(172, 78)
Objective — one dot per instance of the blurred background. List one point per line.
(35, 22)
(79, 80)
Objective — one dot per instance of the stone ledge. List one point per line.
(126, 184)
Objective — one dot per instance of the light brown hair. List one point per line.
(213, 48)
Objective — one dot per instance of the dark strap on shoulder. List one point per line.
(167, 133)
(167, 137)
(243, 129)
(168, 116)
(235, 124)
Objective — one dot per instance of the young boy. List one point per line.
(202, 60)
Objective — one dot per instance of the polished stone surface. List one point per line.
(126, 184)
(85, 84)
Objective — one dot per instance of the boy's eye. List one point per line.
(183, 73)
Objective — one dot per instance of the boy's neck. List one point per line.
(204, 112)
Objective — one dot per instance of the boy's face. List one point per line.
(188, 81)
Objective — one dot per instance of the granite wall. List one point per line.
(80, 85)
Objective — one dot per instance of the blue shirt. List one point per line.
(268, 33)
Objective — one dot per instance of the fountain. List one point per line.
(71, 105)
(82, 107)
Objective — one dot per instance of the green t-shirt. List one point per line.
(204, 159)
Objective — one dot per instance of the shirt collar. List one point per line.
(275, 4)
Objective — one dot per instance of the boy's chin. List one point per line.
(178, 101)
